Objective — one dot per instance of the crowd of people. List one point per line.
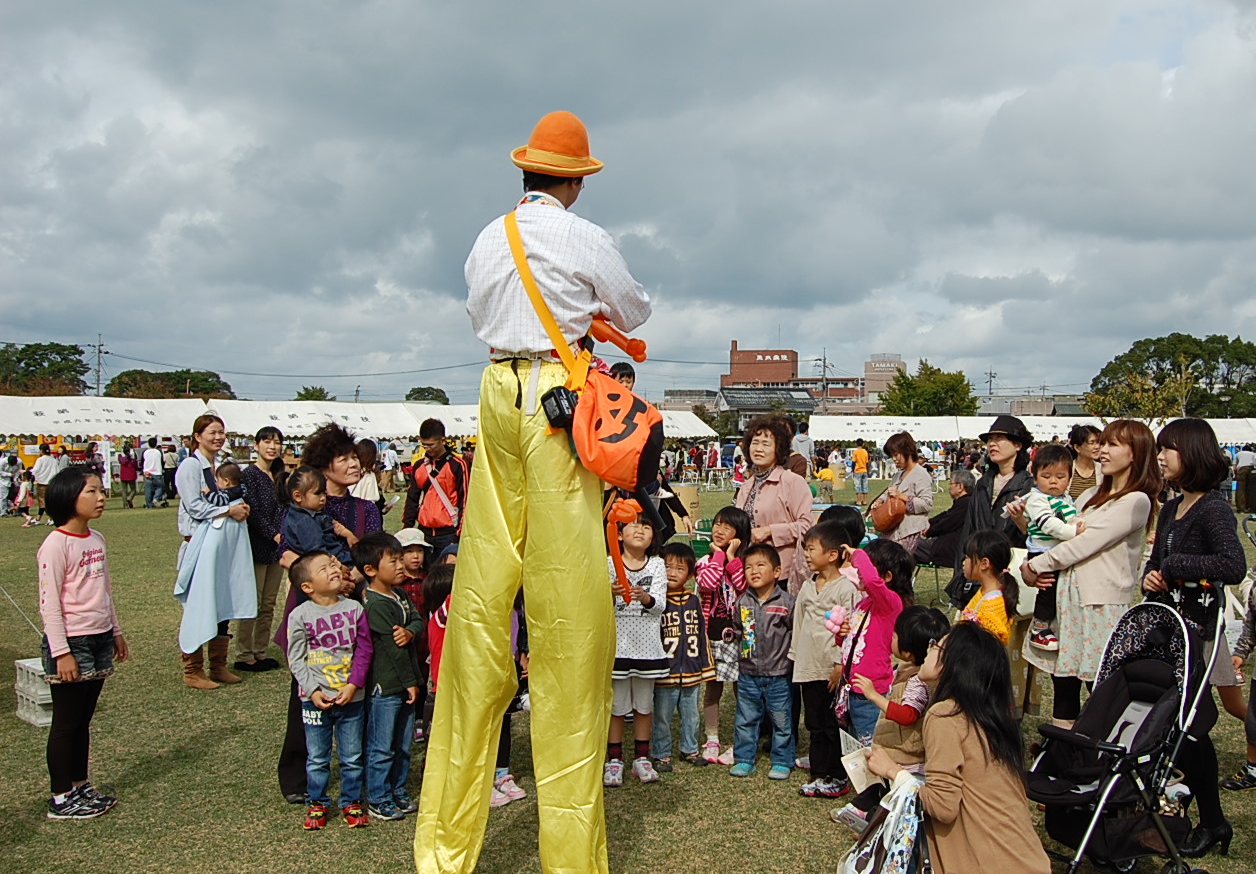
(811, 624)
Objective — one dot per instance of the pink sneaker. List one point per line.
(498, 798)
(726, 758)
(507, 786)
(711, 751)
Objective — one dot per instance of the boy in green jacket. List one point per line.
(394, 678)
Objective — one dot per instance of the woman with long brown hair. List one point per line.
(1097, 573)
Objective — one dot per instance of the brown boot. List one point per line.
(218, 660)
(194, 671)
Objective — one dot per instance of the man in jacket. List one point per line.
(438, 491)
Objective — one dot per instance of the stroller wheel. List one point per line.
(1184, 868)
(1125, 867)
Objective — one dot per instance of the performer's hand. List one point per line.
(412, 694)
(402, 636)
(319, 700)
(347, 691)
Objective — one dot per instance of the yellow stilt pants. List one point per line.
(533, 518)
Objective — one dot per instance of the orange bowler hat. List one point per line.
(559, 146)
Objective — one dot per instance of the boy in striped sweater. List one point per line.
(1052, 519)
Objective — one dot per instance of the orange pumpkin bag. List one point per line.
(617, 435)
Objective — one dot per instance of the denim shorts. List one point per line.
(93, 652)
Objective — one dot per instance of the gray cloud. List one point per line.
(286, 188)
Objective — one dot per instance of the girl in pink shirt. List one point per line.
(721, 580)
(885, 572)
(82, 638)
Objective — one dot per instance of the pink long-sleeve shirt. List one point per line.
(75, 594)
(873, 648)
(721, 580)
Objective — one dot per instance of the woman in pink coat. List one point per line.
(777, 500)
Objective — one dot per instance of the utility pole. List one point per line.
(100, 352)
(357, 393)
(990, 378)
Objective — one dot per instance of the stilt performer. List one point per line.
(534, 518)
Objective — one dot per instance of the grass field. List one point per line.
(195, 770)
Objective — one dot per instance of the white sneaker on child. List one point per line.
(644, 771)
(613, 773)
(711, 751)
(726, 757)
(498, 798)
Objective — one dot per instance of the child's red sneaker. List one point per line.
(315, 817)
(356, 816)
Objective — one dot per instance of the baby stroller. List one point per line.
(1108, 783)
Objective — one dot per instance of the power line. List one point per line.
(305, 375)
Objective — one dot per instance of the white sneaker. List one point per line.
(498, 798)
(511, 789)
(803, 762)
(644, 770)
(726, 757)
(613, 773)
(711, 751)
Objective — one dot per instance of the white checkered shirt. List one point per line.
(578, 270)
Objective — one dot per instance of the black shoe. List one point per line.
(694, 759)
(248, 667)
(295, 798)
(267, 665)
(1201, 840)
(1244, 779)
(663, 766)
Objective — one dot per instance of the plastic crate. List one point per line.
(31, 681)
(33, 711)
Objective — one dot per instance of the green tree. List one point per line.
(1139, 396)
(931, 392)
(169, 384)
(314, 393)
(1179, 375)
(429, 393)
(42, 369)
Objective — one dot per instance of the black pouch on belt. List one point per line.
(559, 404)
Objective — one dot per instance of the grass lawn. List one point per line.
(195, 770)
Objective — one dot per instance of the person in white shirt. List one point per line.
(44, 470)
(154, 481)
(389, 462)
(533, 518)
(1245, 479)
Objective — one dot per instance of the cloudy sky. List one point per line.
(286, 192)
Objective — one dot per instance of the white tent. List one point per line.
(876, 429)
(460, 420)
(681, 424)
(90, 416)
(302, 418)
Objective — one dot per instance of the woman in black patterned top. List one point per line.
(260, 480)
(1195, 555)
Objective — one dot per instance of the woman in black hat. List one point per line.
(1005, 478)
